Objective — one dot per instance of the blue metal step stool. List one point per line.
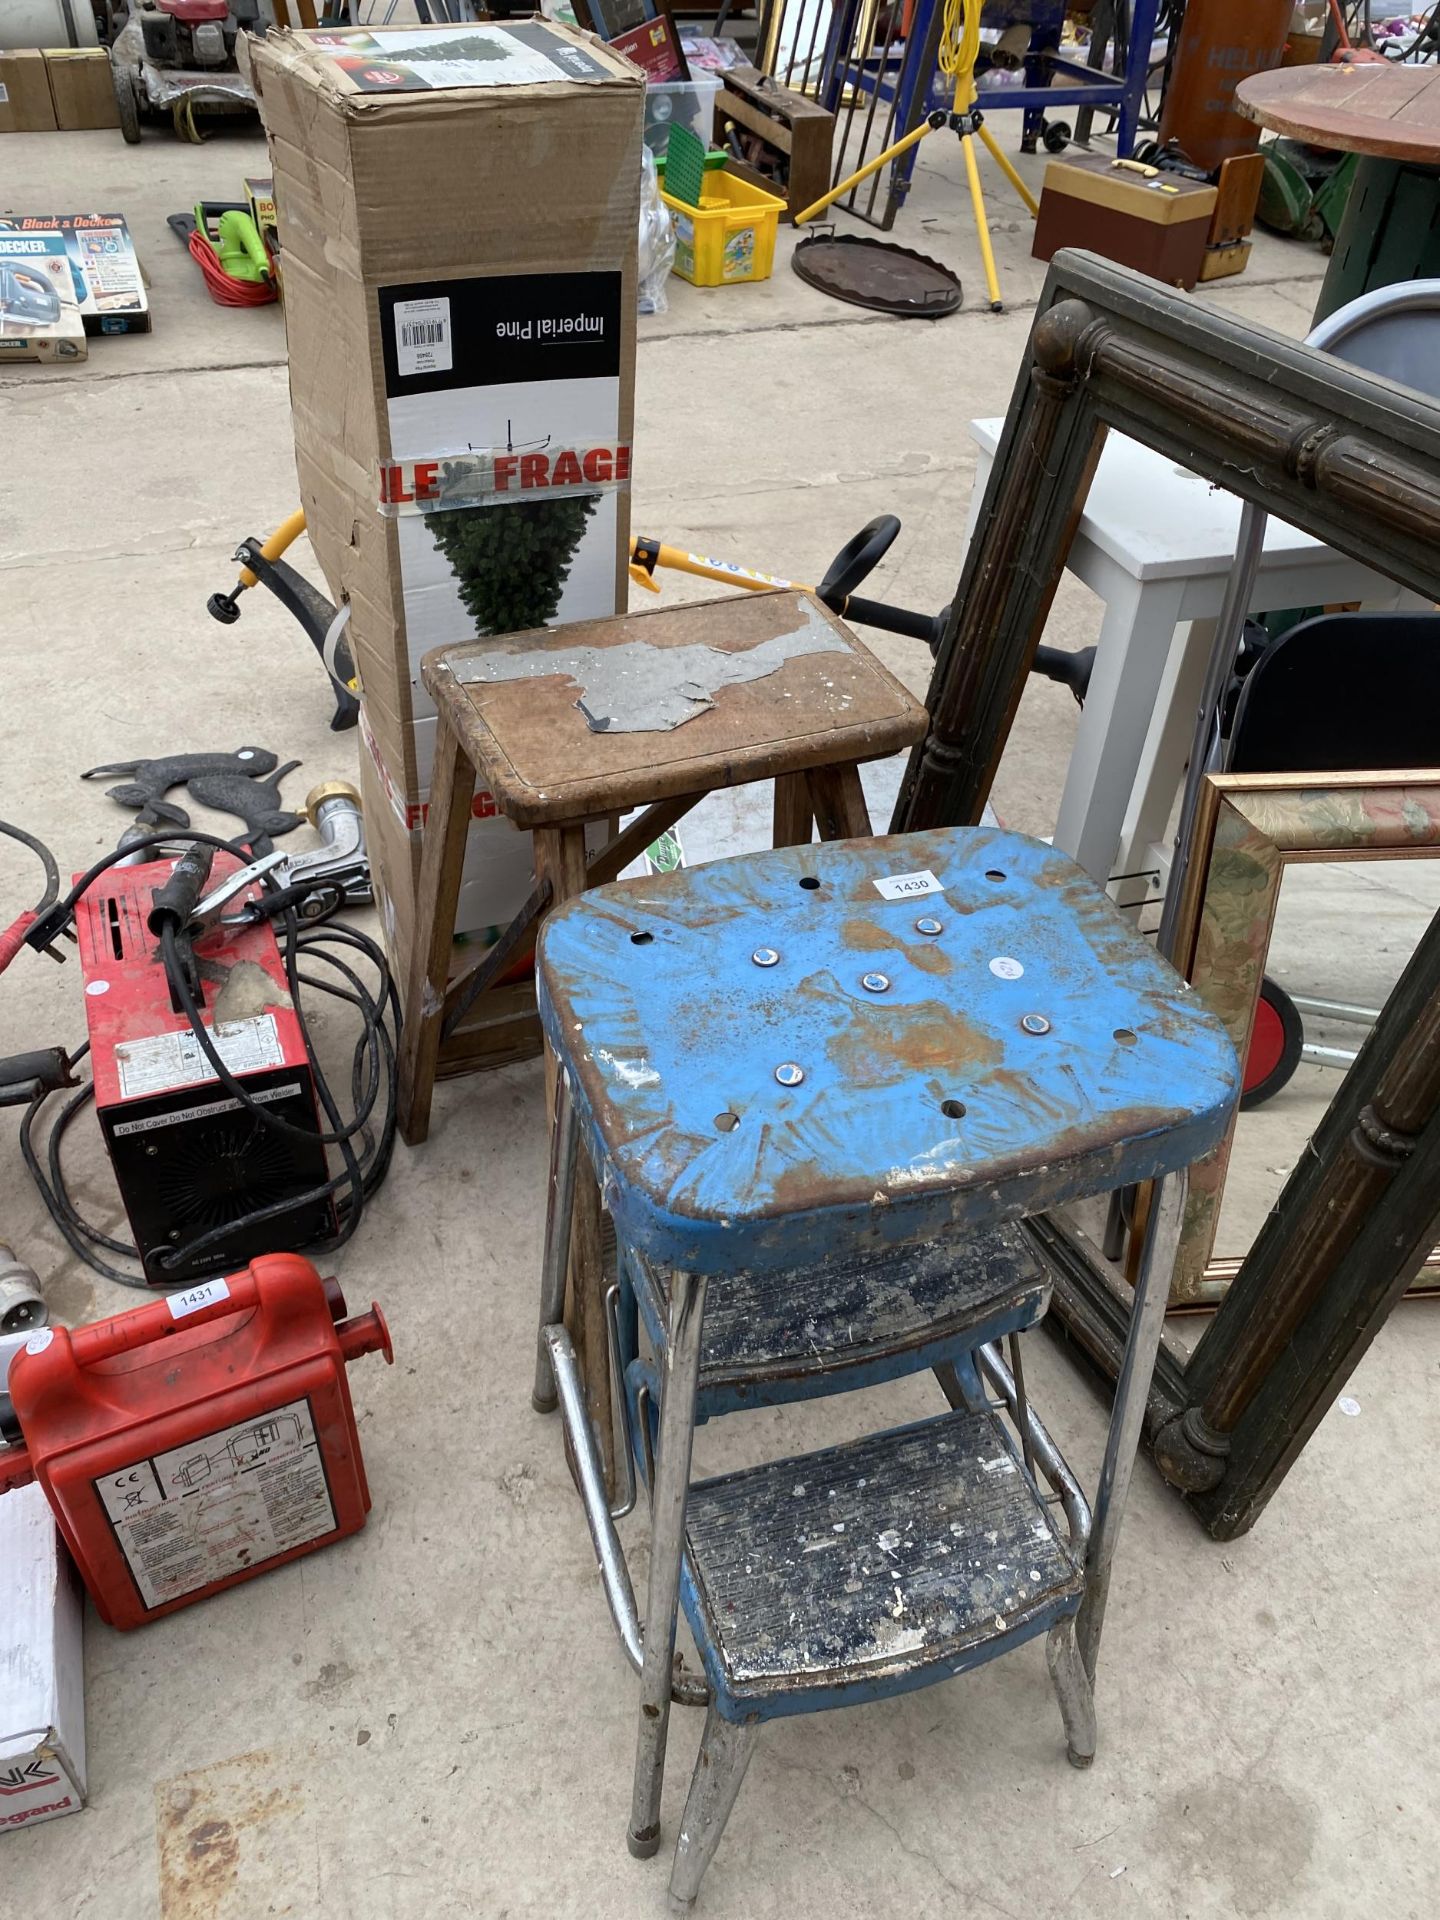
(817, 1086)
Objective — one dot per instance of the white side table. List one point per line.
(1156, 543)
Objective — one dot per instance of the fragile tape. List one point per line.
(498, 476)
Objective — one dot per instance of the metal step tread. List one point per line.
(857, 1306)
(863, 1563)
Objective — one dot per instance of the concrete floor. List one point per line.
(434, 1718)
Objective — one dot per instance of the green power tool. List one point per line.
(225, 242)
(236, 240)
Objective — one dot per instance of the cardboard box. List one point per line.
(39, 309)
(261, 196)
(81, 88)
(458, 212)
(25, 102)
(108, 283)
(42, 1671)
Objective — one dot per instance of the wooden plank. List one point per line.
(1351, 1230)
(839, 802)
(1390, 111)
(515, 947)
(796, 134)
(1235, 203)
(502, 1028)
(734, 106)
(560, 865)
(442, 860)
(794, 811)
(767, 95)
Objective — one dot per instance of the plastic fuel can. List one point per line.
(198, 1440)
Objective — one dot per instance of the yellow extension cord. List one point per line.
(960, 47)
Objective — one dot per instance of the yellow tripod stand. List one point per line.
(959, 46)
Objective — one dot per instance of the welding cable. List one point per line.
(73, 1229)
(12, 938)
(340, 1136)
(189, 1006)
(45, 857)
(374, 1042)
(57, 1177)
(378, 1160)
(373, 1071)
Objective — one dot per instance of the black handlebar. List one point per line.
(857, 560)
(915, 626)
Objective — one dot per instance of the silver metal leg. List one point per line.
(609, 1554)
(1022, 1406)
(1074, 1692)
(564, 1162)
(624, 1502)
(1147, 1322)
(725, 1752)
(1229, 626)
(1048, 1457)
(669, 1488)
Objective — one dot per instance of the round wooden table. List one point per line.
(1389, 115)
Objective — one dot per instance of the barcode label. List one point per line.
(422, 336)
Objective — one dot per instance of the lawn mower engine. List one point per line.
(194, 33)
(188, 1156)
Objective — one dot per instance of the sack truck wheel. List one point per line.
(1275, 1043)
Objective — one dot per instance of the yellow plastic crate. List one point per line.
(731, 237)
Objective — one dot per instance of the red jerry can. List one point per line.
(198, 1440)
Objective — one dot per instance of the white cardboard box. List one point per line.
(42, 1673)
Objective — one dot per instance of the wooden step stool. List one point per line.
(649, 711)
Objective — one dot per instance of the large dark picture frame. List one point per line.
(1355, 461)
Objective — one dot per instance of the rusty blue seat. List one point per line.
(818, 1087)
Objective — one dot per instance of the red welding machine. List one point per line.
(198, 1440)
(188, 1157)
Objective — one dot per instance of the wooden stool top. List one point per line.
(605, 715)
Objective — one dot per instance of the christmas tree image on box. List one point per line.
(512, 561)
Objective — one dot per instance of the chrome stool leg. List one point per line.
(564, 1162)
(670, 1486)
(1074, 1692)
(1132, 1389)
(726, 1749)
